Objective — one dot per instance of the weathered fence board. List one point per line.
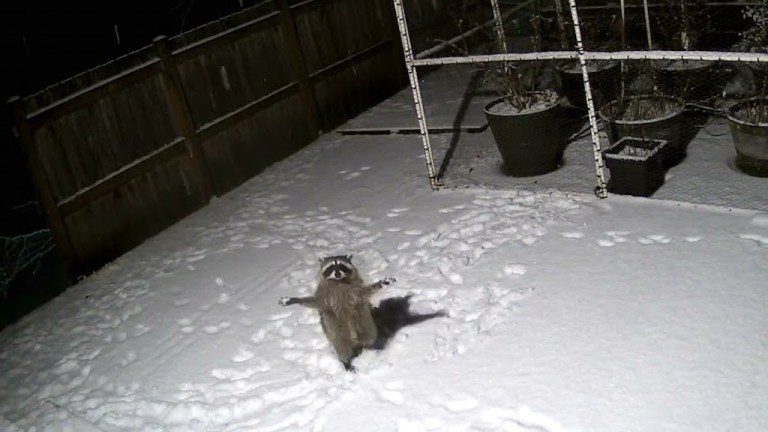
(122, 151)
(350, 90)
(224, 80)
(357, 25)
(121, 219)
(80, 83)
(86, 145)
(254, 143)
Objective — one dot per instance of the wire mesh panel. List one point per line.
(684, 81)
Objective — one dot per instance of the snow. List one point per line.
(545, 101)
(564, 312)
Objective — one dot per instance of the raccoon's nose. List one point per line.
(337, 274)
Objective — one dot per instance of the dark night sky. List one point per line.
(46, 41)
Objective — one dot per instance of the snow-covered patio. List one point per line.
(566, 312)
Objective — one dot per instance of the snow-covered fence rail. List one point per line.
(129, 148)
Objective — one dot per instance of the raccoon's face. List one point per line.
(338, 268)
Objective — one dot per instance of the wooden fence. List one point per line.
(123, 151)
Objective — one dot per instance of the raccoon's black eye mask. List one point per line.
(336, 267)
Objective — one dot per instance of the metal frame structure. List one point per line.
(413, 61)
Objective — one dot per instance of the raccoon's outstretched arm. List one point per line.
(371, 289)
(309, 302)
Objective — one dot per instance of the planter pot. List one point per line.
(648, 117)
(750, 135)
(530, 141)
(690, 80)
(604, 77)
(636, 166)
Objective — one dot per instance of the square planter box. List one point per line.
(636, 166)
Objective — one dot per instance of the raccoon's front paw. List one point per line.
(388, 281)
(284, 301)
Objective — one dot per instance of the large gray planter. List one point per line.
(648, 117)
(748, 122)
(530, 142)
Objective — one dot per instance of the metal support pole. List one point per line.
(596, 55)
(500, 36)
(647, 24)
(417, 101)
(600, 189)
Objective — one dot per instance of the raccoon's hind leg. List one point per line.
(348, 364)
(346, 350)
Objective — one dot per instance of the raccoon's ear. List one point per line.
(348, 257)
(321, 260)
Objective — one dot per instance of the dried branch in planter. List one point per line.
(681, 25)
(519, 83)
(755, 39)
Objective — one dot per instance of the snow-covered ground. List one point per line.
(566, 313)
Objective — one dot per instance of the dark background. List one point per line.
(47, 41)
(44, 42)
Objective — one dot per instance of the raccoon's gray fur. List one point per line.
(343, 300)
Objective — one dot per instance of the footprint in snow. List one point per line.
(395, 212)
(660, 238)
(354, 174)
(760, 220)
(605, 243)
(129, 358)
(654, 238)
(280, 316)
(197, 256)
(141, 329)
(391, 396)
(757, 238)
(214, 329)
(573, 234)
(515, 269)
(243, 354)
(461, 404)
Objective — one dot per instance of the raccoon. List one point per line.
(343, 300)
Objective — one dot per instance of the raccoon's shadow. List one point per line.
(393, 314)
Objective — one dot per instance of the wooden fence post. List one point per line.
(182, 118)
(299, 65)
(26, 138)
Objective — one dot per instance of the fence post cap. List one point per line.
(160, 38)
